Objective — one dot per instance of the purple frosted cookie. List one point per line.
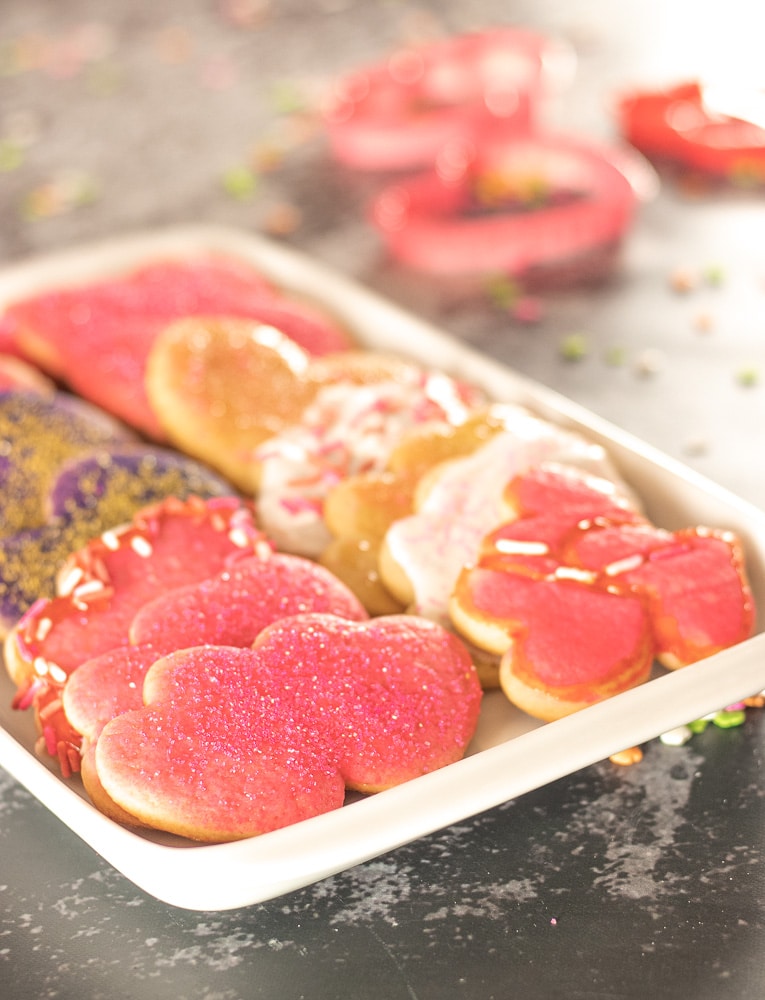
(38, 434)
(90, 494)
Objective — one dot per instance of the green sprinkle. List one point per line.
(574, 347)
(240, 183)
(729, 720)
(615, 356)
(11, 156)
(104, 79)
(86, 191)
(714, 275)
(287, 98)
(698, 725)
(746, 174)
(503, 291)
(9, 60)
(748, 376)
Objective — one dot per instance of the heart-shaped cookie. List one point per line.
(229, 609)
(565, 642)
(234, 743)
(694, 580)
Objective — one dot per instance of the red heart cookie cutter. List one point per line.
(507, 206)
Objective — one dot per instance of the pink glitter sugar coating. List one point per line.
(234, 606)
(220, 752)
(233, 743)
(97, 337)
(105, 687)
(229, 609)
(398, 695)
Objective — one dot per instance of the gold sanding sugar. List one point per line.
(36, 439)
(106, 493)
(29, 563)
(109, 491)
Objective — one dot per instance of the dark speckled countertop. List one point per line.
(611, 884)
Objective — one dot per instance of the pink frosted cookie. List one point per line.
(101, 587)
(96, 337)
(460, 501)
(237, 742)
(565, 642)
(578, 595)
(229, 609)
(551, 505)
(694, 580)
(234, 606)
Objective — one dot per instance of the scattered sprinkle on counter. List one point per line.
(240, 182)
(649, 362)
(574, 347)
(748, 376)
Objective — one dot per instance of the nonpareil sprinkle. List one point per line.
(574, 347)
(748, 376)
(240, 182)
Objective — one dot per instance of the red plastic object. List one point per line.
(706, 128)
(399, 113)
(507, 207)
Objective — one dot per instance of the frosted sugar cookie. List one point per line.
(317, 706)
(230, 608)
(347, 430)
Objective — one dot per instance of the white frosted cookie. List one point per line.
(463, 499)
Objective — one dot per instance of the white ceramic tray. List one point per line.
(511, 753)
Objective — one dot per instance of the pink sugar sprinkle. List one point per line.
(298, 505)
(51, 740)
(527, 310)
(332, 446)
(26, 696)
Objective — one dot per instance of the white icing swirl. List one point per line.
(347, 430)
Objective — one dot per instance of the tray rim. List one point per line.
(210, 877)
